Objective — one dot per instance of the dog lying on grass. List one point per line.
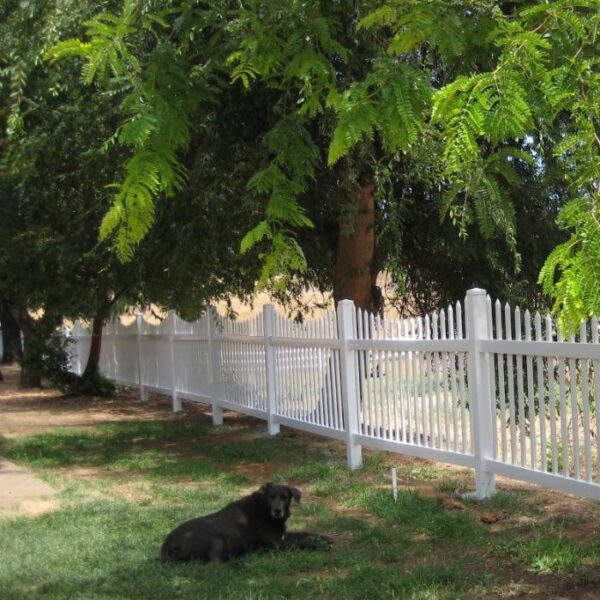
(253, 522)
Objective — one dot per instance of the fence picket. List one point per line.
(596, 366)
(574, 412)
(462, 383)
(511, 387)
(585, 406)
(389, 399)
(500, 361)
(436, 378)
(413, 390)
(520, 391)
(338, 390)
(530, 395)
(397, 398)
(551, 390)
(453, 382)
(422, 375)
(492, 375)
(445, 368)
(407, 378)
(564, 433)
(429, 370)
(541, 395)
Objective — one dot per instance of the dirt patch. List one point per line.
(31, 411)
(31, 508)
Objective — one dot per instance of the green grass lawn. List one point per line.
(123, 487)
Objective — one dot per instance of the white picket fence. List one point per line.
(488, 388)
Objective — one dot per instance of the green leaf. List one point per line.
(255, 235)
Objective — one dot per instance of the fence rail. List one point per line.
(479, 385)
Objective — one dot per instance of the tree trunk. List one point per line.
(354, 262)
(355, 248)
(30, 375)
(11, 335)
(93, 362)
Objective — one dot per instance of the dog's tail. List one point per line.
(305, 540)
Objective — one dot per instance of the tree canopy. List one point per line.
(57, 166)
(497, 86)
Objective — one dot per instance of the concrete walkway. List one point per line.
(18, 486)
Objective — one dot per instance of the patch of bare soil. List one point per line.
(32, 508)
(30, 411)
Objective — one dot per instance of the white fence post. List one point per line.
(171, 329)
(214, 360)
(108, 343)
(139, 332)
(78, 330)
(483, 406)
(269, 331)
(112, 327)
(346, 317)
(64, 331)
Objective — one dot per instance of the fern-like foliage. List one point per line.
(571, 274)
(491, 106)
(393, 100)
(357, 118)
(482, 81)
(289, 47)
(156, 129)
(156, 109)
(107, 53)
(286, 177)
(543, 79)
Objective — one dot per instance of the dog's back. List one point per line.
(240, 527)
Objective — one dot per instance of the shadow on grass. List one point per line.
(104, 549)
(132, 444)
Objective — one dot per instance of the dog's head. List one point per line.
(278, 499)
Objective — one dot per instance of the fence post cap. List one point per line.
(476, 292)
(346, 302)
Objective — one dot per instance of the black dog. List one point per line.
(256, 521)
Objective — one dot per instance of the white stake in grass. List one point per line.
(394, 484)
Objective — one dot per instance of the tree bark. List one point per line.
(11, 335)
(355, 248)
(93, 362)
(33, 333)
(30, 376)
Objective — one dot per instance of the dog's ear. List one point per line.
(263, 488)
(296, 493)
